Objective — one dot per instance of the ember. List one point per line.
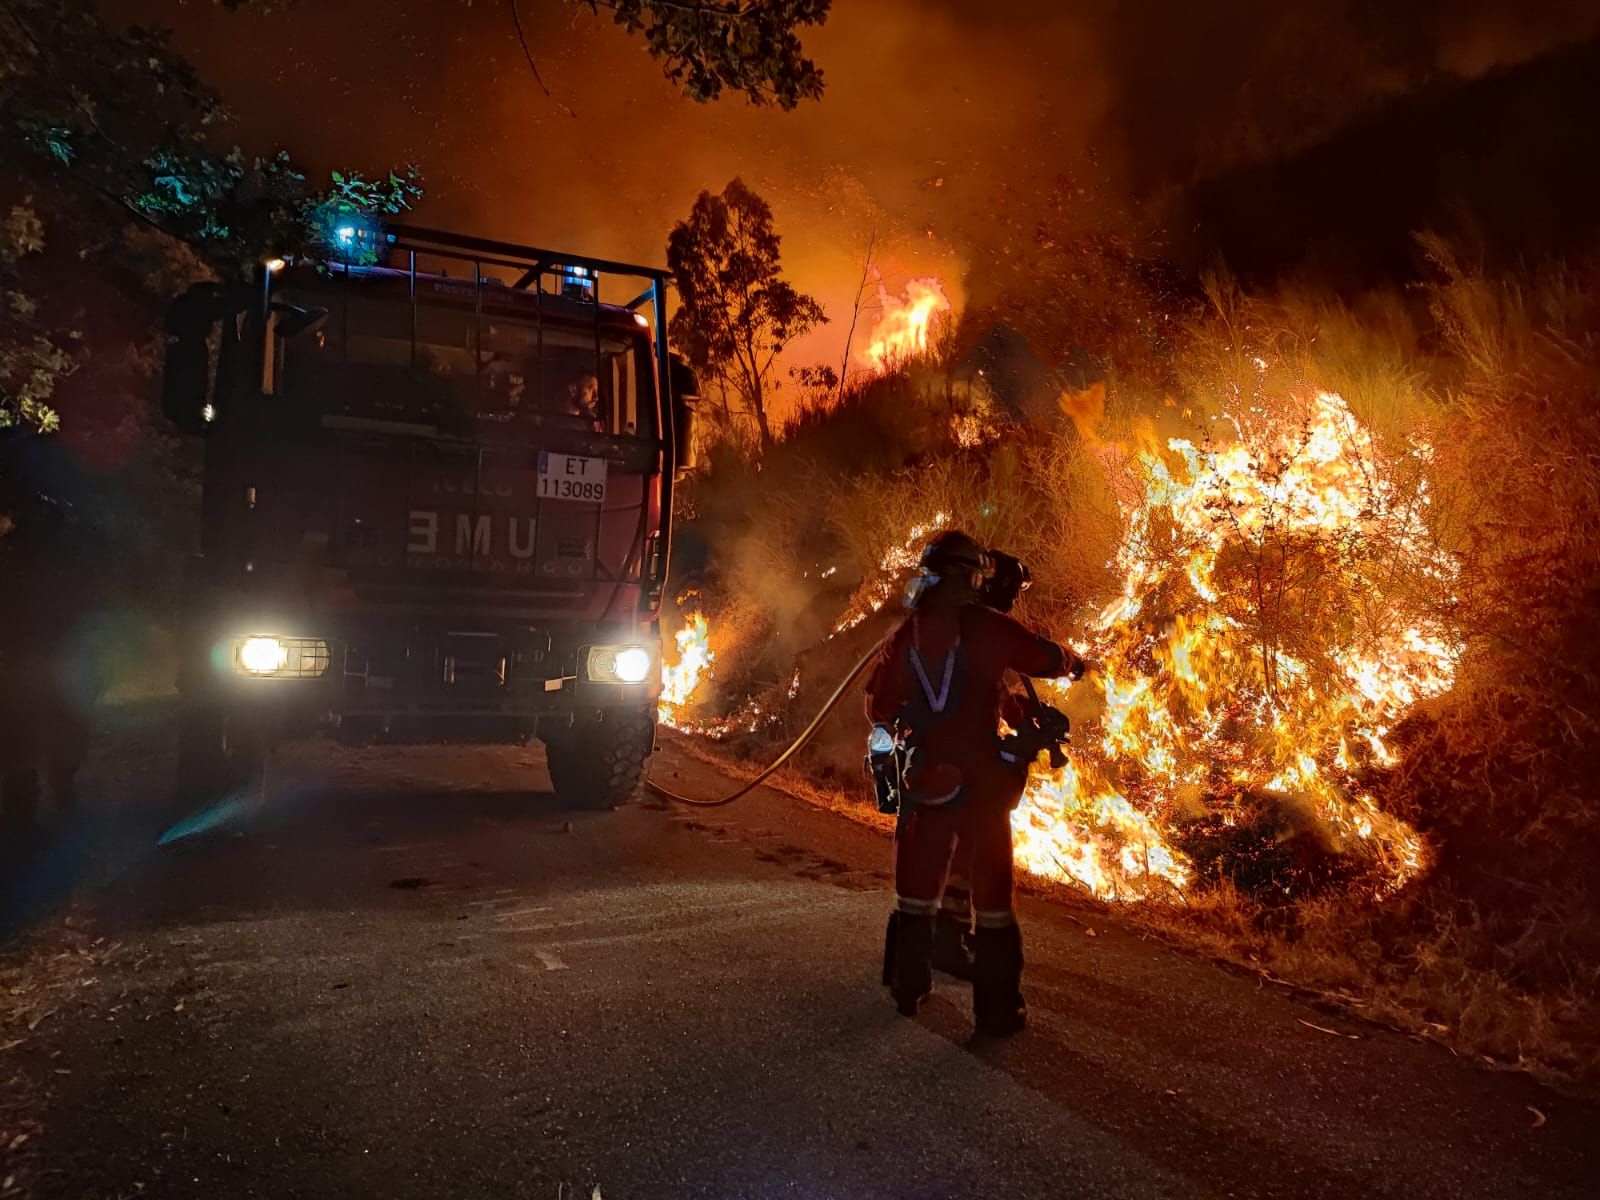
(897, 560)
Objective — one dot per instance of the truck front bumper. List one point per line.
(404, 672)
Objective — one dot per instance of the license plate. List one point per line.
(571, 477)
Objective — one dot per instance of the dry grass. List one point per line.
(1497, 952)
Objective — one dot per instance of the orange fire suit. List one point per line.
(943, 674)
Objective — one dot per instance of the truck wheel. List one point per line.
(601, 764)
(215, 759)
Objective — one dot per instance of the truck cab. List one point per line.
(437, 504)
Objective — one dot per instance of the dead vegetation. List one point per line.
(1479, 391)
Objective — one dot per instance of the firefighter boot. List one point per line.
(911, 967)
(952, 944)
(996, 981)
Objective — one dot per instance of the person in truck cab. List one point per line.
(577, 404)
(584, 401)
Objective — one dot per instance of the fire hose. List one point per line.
(1001, 590)
(806, 735)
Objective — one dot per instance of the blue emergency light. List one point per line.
(577, 283)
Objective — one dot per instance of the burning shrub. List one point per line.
(1337, 589)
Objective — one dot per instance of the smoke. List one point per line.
(942, 118)
(1201, 88)
(927, 106)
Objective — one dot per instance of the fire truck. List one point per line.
(437, 504)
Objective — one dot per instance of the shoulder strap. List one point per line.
(937, 700)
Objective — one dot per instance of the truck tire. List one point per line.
(600, 764)
(214, 759)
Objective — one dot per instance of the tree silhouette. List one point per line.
(736, 313)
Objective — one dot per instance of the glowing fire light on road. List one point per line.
(902, 330)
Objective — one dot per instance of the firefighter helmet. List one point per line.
(952, 552)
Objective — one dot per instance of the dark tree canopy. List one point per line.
(115, 112)
(115, 128)
(707, 47)
(747, 46)
(736, 312)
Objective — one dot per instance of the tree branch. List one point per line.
(855, 314)
(23, 29)
(527, 52)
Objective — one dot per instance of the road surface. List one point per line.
(409, 973)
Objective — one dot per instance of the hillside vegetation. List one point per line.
(1336, 561)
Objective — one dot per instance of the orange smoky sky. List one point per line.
(926, 107)
(941, 119)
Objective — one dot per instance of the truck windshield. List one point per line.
(459, 370)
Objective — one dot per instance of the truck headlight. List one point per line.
(619, 664)
(263, 655)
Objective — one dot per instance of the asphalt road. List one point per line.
(409, 973)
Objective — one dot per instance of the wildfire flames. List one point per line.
(1271, 627)
(1210, 710)
(901, 333)
(898, 559)
(680, 680)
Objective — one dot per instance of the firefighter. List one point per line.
(952, 929)
(941, 678)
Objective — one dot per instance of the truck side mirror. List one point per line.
(685, 393)
(296, 322)
(186, 375)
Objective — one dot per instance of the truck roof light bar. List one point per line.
(536, 260)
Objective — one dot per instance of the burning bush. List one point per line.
(1336, 587)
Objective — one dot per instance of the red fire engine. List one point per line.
(437, 503)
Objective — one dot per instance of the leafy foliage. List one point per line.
(121, 117)
(353, 198)
(736, 313)
(112, 122)
(706, 47)
(748, 46)
(30, 363)
(112, 109)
